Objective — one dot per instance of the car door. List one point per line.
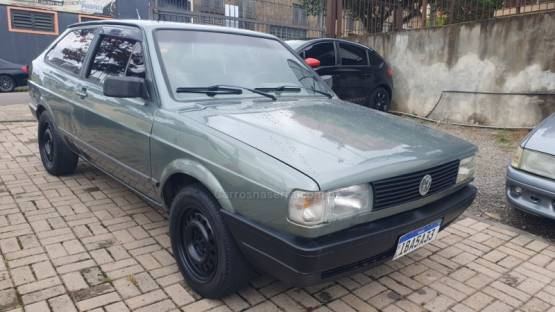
(61, 78)
(324, 51)
(353, 76)
(115, 132)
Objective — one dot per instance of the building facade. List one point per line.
(27, 27)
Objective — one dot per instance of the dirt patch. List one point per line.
(87, 293)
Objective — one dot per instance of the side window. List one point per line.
(352, 55)
(375, 58)
(69, 53)
(324, 52)
(116, 56)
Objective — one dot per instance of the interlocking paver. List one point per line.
(83, 242)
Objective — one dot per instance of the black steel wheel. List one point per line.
(200, 250)
(204, 249)
(380, 99)
(56, 156)
(7, 83)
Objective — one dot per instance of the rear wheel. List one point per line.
(380, 99)
(202, 245)
(7, 83)
(56, 156)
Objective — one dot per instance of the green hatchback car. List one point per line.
(261, 166)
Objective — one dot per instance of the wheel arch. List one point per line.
(40, 110)
(387, 88)
(183, 172)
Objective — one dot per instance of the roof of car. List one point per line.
(296, 44)
(151, 25)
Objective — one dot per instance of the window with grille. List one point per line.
(300, 16)
(26, 20)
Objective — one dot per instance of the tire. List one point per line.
(380, 99)
(56, 156)
(7, 83)
(202, 245)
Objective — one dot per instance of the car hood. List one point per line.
(542, 139)
(335, 142)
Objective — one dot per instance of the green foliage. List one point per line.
(313, 7)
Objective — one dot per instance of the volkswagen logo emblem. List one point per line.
(425, 185)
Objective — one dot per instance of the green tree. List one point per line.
(313, 7)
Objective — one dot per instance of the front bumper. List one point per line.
(536, 196)
(302, 261)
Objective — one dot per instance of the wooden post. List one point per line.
(339, 18)
(424, 12)
(331, 14)
(397, 18)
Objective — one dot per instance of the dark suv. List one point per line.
(359, 74)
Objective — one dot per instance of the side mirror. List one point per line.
(312, 62)
(328, 79)
(125, 87)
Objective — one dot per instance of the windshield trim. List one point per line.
(223, 31)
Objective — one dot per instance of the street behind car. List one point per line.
(12, 75)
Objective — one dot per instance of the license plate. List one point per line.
(415, 239)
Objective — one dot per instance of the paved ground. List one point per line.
(13, 107)
(83, 242)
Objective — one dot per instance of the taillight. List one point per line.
(25, 69)
(390, 71)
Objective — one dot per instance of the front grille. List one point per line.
(402, 189)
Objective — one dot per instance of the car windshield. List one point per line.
(202, 59)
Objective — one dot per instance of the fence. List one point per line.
(359, 17)
(281, 18)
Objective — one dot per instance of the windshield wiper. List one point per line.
(280, 89)
(210, 91)
(221, 89)
(292, 89)
(320, 92)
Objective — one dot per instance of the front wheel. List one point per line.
(380, 99)
(204, 249)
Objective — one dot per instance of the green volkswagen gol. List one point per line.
(260, 165)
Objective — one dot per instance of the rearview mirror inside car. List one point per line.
(125, 87)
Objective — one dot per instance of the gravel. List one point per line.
(496, 148)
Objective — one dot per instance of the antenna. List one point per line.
(138, 15)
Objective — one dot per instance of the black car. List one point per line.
(359, 74)
(12, 75)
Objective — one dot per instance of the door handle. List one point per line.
(82, 93)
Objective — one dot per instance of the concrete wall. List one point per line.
(506, 55)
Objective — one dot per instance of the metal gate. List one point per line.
(282, 18)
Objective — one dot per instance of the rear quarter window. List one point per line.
(352, 55)
(375, 58)
(69, 53)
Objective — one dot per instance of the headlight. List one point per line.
(311, 208)
(517, 157)
(467, 168)
(535, 162)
